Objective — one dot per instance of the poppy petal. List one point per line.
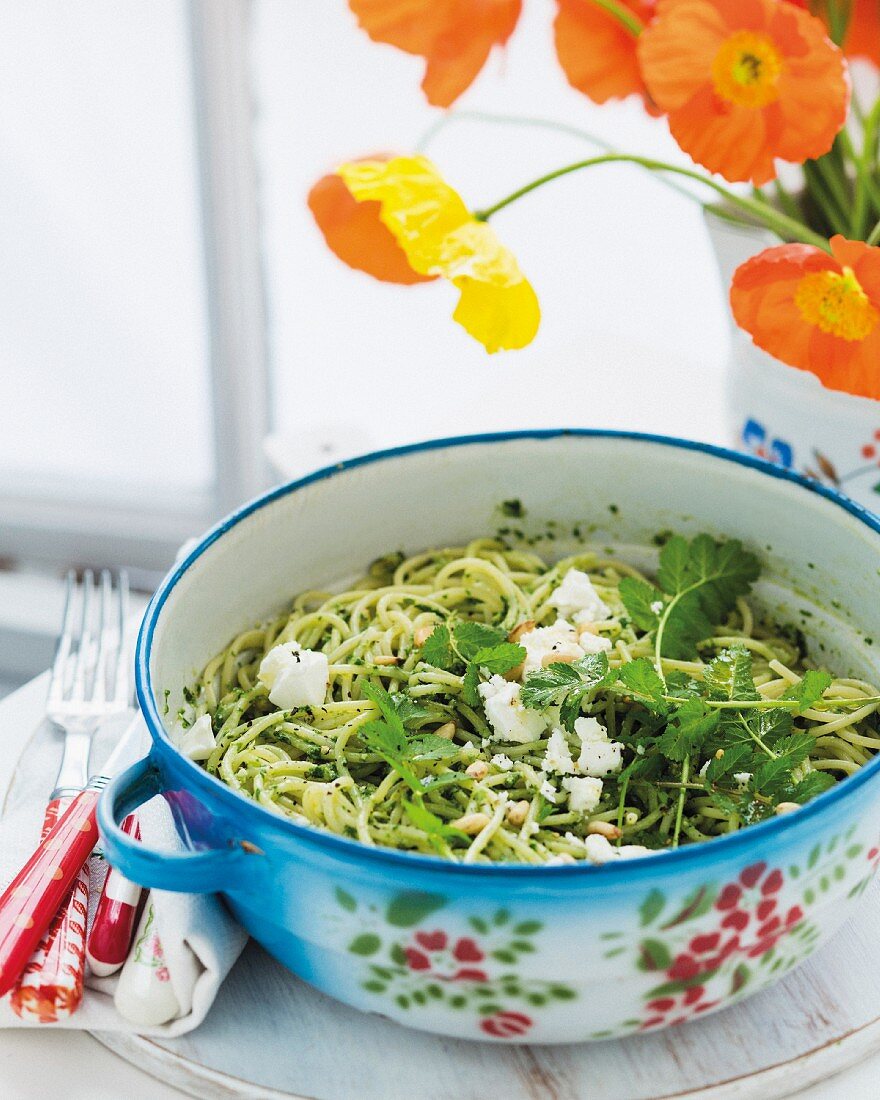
(596, 52)
(354, 232)
(440, 236)
(455, 37)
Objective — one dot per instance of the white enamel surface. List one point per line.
(327, 533)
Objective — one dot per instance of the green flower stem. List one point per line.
(623, 16)
(679, 809)
(785, 227)
(874, 235)
(785, 200)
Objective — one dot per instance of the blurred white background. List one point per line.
(166, 301)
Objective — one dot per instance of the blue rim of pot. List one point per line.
(688, 855)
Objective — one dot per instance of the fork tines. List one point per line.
(90, 670)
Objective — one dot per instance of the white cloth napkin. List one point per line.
(200, 938)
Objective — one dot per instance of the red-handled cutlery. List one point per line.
(113, 925)
(89, 682)
(32, 899)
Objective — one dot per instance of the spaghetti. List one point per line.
(485, 799)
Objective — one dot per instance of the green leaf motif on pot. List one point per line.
(406, 910)
(365, 944)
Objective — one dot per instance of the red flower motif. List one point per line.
(729, 896)
(751, 875)
(466, 950)
(431, 952)
(432, 941)
(504, 1025)
(417, 960)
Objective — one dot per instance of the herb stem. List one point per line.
(754, 736)
(679, 810)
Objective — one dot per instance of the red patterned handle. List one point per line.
(51, 986)
(113, 926)
(34, 896)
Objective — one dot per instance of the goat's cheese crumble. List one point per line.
(296, 677)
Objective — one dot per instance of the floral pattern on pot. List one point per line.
(412, 959)
(862, 468)
(732, 938)
(689, 954)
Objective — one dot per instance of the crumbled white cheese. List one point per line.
(509, 719)
(559, 859)
(577, 597)
(594, 643)
(558, 756)
(599, 850)
(296, 677)
(548, 790)
(657, 607)
(560, 640)
(599, 756)
(197, 742)
(583, 793)
(704, 769)
(742, 779)
(502, 762)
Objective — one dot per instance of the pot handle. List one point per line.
(187, 872)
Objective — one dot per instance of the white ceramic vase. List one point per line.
(787, 415)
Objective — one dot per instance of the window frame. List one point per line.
(48, 521)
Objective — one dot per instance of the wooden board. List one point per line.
(270, 1035)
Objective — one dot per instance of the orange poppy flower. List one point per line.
(744, 82)
(416, 226)
(817, 312)
(597, 52)
(455, 37)
(354, 231)
(863, 35)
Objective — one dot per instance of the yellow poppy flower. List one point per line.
(440, 236)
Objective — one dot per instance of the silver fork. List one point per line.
(89, 683)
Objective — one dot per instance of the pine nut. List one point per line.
(787, 807)
(520, 629)
(517, 812)
(630, 817)
(472, 823)
(586, 628)
(515, 673)
(423, 633)
(384, 659)
(478, 770)
(447, 730)
(719, 755)
(606, 829)
(558, 659)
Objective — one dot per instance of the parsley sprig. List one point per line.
(699, 583)
(392, 738)
(468, 648)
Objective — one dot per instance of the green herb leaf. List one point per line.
(688, 729)
(735, 759)
(704, 579)
(812, 784)
(430, 823)
(639, 599)
(430, 747)
(730, 675)
(567, 686)
(471, 637)
(469, 685)
(640, 679)
(437, 649)
(500, 658)
(810, 690)
(391, 744)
